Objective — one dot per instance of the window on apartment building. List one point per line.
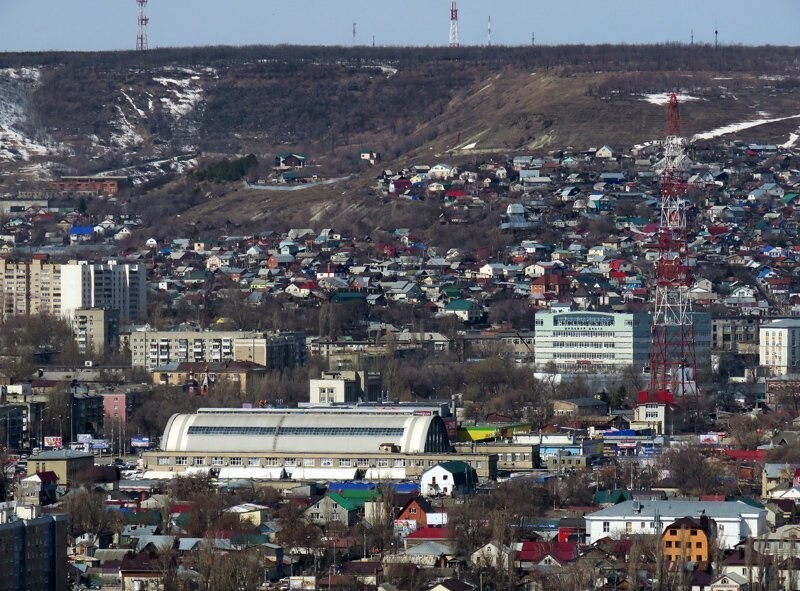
(669, 544)
(382, 463)
(162, 461)
(198, 461)
(217, 461)
(235, 461)
(326, 462)
(255, 462)
(309, 462)
(344, 462)
(606, 526)
(181, 460)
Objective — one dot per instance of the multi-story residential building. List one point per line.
(11, 426)
(152, 349)
(34, 548)
(688, 540)
(87, 413)
(738, 334)
(591, 341)
(38, 286)
(112, 285)
(96, 330)
(31, 287)
(779, 346)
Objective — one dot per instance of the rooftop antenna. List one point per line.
(716, 38)
(533, 39)
(489, 31)
(453, 25)
(692, 35)
(373, 41)
(354, 33)
(141, 37)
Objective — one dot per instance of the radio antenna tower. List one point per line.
(672, 356)
(141, 37)
(453, 24)
(354, 33)
(489, 31)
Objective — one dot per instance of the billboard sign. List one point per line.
(139, 441)
(84, 438)
(52, 441)
(303, 583)
(99, 444)
(404, 527)
(709, 439)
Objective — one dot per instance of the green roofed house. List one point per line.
(790, 198)
(333, 507)
(449, 479)
(608, 498)
(465, 310)
(287, 160)
(348, 296)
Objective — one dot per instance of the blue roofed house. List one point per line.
(79, 234)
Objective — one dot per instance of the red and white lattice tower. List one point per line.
(141, 37)
(672, 357)
(453, 24)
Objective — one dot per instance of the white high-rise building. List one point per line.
(111, 285)
(779, 346)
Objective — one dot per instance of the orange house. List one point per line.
(688, 540)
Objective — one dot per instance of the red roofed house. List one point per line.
(532, 554)
(428, 534)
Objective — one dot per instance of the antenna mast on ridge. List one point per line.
(453, 24)
(141, 37)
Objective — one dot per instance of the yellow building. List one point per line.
(688, 540)
(199, 378)
(30, 287)
(66, 463)
(250, 512)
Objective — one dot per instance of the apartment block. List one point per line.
(779, 347)
(111, 285)
(152, 349)
(96, 330)
(33, 549)
(31, 287)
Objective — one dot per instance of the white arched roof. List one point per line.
(301, 431)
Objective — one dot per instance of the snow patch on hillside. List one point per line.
(662, 98)
(793, 137)
(741, 126)
(133, 105)
(184, 93)
(123, 134)
(16, 87)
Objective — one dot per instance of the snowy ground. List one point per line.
(734, 127)
(662, 98)
(184, 95)
(793, 137)
(16, 86)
